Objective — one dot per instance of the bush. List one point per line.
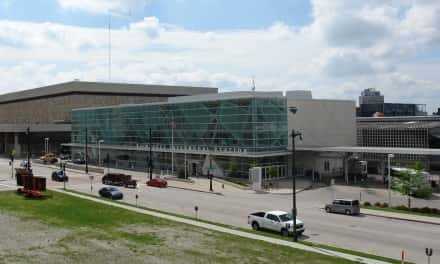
(401, 207)
(377, 204)
(367, 204)
(181, 174)
(384, 205)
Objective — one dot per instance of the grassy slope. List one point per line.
(90, 220)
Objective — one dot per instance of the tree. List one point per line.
(252, 165)
(273, 171)
(411, 182)
(232, 168)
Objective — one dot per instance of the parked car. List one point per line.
(344, 206)
(157, 182)
(78, 158)
(60, 175)
(119, 179)
(65, 156)
(111, 192)
(49, 158)
(278, 221)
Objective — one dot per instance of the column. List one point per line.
(17, 144)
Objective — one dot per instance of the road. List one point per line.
(375, 235)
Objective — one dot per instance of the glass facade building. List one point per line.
(234, 129)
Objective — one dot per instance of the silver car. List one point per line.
(343, 206)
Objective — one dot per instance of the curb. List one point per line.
(403, 219)
(289, 193)
(195, 190)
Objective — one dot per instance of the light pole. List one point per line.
(85, 153)
(28, 137)
(390, 156)
(294, 134)
(210, 174)
(150, 158)
(99, 152)
(46, 145)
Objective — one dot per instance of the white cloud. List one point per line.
(150, 25)
(349, 46)
(103, 6)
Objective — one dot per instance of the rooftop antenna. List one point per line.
(253, 84)
(109, 47)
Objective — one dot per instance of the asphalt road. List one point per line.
(370, 234)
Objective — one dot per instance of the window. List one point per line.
(273, 218)
(326, 165)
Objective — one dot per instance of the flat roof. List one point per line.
(83, 87)
(381, 150)
(197, 98)
(397, 119)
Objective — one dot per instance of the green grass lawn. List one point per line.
(96, 233)
(393, 210)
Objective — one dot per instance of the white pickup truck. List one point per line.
(277, 221)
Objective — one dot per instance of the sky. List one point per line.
(333, 48)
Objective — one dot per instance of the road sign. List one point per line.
(428, 252)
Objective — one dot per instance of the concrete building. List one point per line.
(371, 103)
(47, 110)
(323, 123)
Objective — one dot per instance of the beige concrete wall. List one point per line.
(47, 110)
(323, 122)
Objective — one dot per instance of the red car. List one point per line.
(157, 182)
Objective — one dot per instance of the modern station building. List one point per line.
(226, 133)
(46, 111)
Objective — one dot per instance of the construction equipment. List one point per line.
(33, 187)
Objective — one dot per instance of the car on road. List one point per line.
(344, 206)
(119, 179)
(49, 158)
(60, 176)
(278, 221)
(157, 182)
(111, 192)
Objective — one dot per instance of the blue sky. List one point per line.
(208, 15)
(334, 48)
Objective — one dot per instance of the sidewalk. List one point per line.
(230, 231)
(402, 216)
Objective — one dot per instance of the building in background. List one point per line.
(371, 103)
(411, 132)
(47, 110)
(223, 134)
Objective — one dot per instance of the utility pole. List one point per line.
(294, 134)
(150, 161)
(210, 174)
(86, 158)
(28, 137)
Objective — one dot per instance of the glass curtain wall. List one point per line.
(250, 125)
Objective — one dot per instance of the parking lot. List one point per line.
(374, 235)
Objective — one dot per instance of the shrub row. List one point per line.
(425, 210)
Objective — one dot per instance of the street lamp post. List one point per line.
(28, 135)
(390, 156)
(85, 153)
(294, 134)
(99, 152)
(210, 174)
(150, 159)
(46, 145)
